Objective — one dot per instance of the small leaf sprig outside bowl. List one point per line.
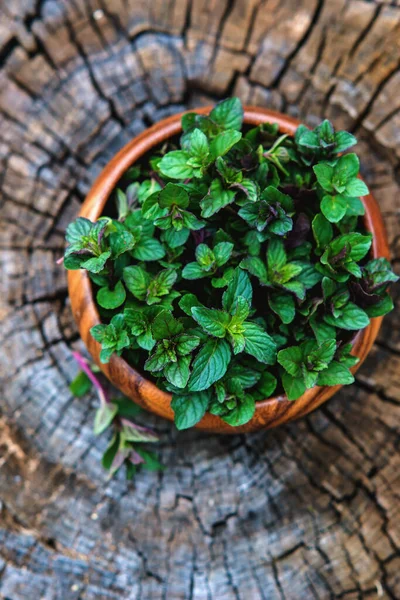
(217, 367)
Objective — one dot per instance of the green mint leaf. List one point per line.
(217, 198)
(249, 188)
(228, 114)
(205, 257)
(213, 321)
(294, 386)
(324, 174)
(120, 242)
(222, 252)
(185, 344)
(334, 207)
(354, 207)
(356, 187)
(259, 344)
(322, 330)
(351, 318)
(242, 413)
(151, 462)
(239, 285)
(189, 409)
(173, 194)
(191, 221)
(137, 434)
(187, 302)
(147, 188)
(160, 358)
(347, 167)
(97, 264)
(175, 239)
(335, 374)
(178, 372)
(137, 281)
(223, 142)
(322, 230)
(380, 308)
(165, 326)
(344, 141)
(255, 266)
(196, 144)
(265, 386)
(209, 365)
(127, 408)
(148, 249)
(104, 417)
(240, 310)
(174, 165)
(111, 298)
(81, 385)
(291, 360)
(276, 255)
(283, 305)
(193, 271)
(322, 355)
(78, 229)
(110, 453)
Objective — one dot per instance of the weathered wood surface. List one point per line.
(310, 510)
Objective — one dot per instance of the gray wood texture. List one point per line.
(310, 510)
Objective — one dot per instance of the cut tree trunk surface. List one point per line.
(309, 510)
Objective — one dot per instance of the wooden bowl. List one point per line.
(268, 413)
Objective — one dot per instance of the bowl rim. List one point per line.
(270, 412)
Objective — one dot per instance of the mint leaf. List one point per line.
(350, 318)
(322, 230)
(174, 165)
(178, 372)
(97, 264)
(276, 255)
(137, 281)
(217, 198)
(104, 417)
(255, 266)
(111, 298)
(242, 413)
(228, 114)
(283, 305)
(166, 326)
(209, 365)
(334, 207)
(239, 285)
(324, 174)
(259, 344)
(173, 194)
(335, 374)
(214, 322)
(193, 271)
(222, 253)
(189, 409)
(294, 386)
(148, 249)
(291, 360)
(81, 385)
(356, 187)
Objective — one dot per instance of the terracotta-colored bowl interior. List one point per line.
(269, 413)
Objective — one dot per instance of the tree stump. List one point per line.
(309, 510)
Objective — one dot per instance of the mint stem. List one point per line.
(82, 362)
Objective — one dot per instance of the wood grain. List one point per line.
(306, 510)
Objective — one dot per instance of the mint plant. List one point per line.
(236, 266)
